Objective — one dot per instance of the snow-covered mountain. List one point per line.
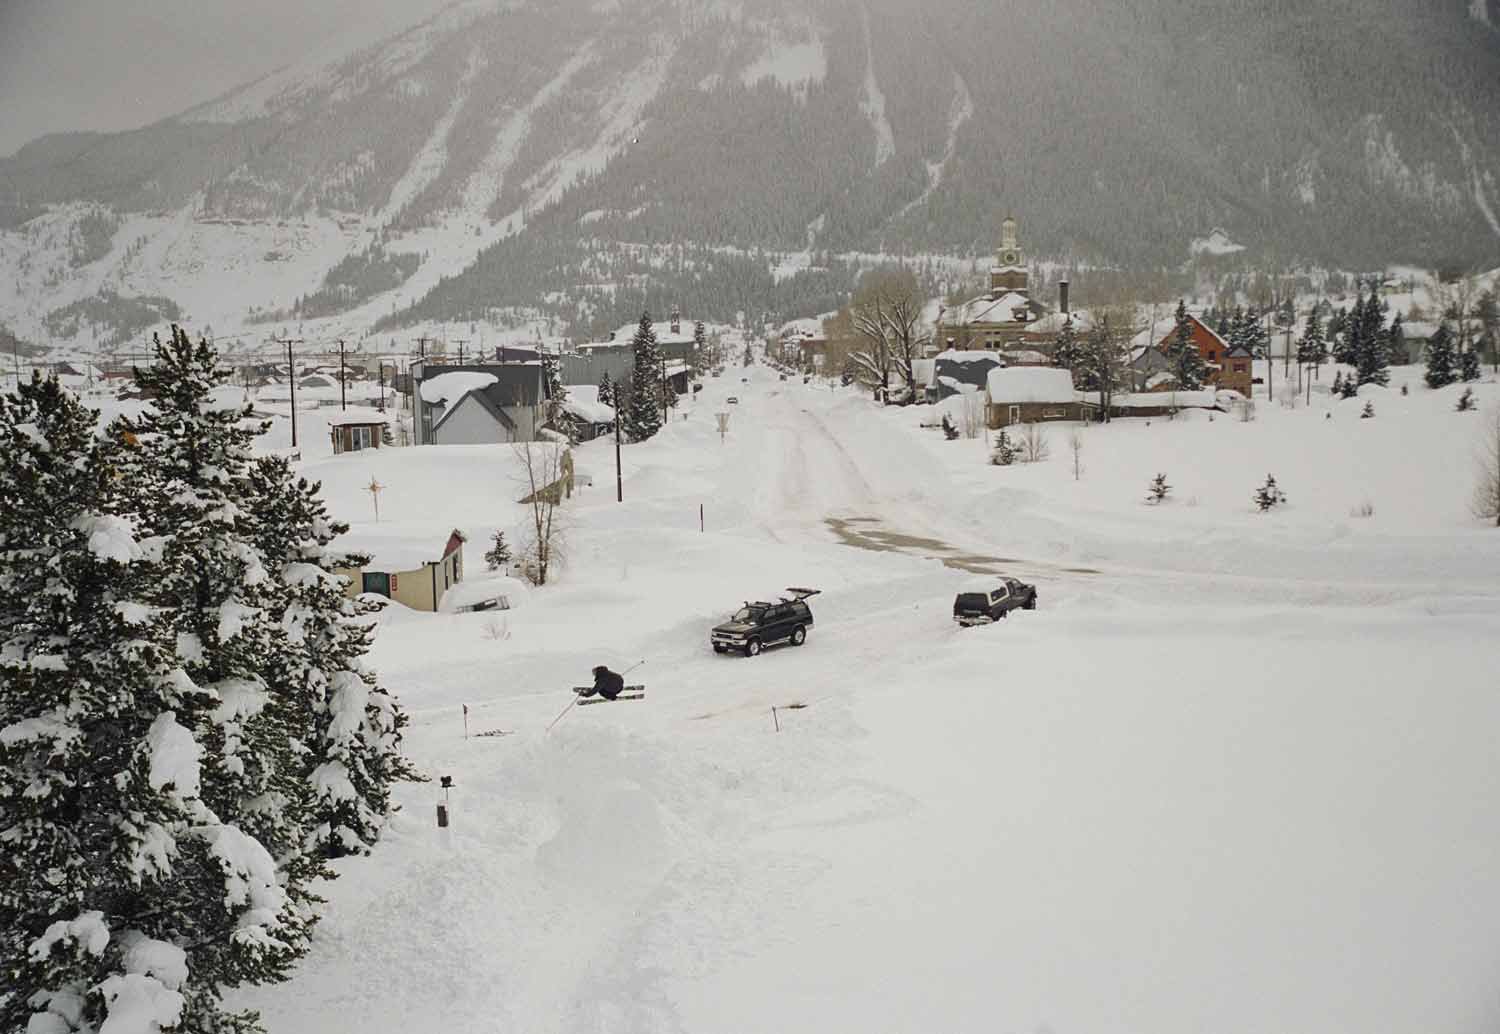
(580, 158)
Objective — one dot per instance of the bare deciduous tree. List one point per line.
(1487, 490)
(1032, 443)
(1075, 443)
(972, 418)
(546, 476)
(886, 314)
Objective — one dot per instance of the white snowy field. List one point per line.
(1235, 774)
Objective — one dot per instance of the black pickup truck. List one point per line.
(760, 624)
(984, 604)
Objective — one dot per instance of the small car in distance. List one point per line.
(761, 624)
(733, 400)
(984, 604)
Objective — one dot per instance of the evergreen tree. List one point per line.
(1269, 495)
(1004, 453)
(1350, 388)
(1338, 335)
(949, 431)
(1468, 364)
(1395, 343)
(1440, 359)
(123, 888)
(1465, 400)
(325, 695)
(1158, 489)
(699, 361)
(1368, 411)
(606, 390)
(1312, 348)
(644, 417)
(1338, 384)
(498, 555)
(1371, 350)
(1185, 360)
(557, 392)
(1066, 351)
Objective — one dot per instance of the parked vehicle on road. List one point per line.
(986, 603)
(761, 624)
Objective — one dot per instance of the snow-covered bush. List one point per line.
(1158, 490)
(1033, 443)
(1465, 401)
(1004, 453)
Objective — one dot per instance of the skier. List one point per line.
(607, 684)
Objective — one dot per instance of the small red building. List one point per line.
(1228, 368)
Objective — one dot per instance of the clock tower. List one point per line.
(1009, 272)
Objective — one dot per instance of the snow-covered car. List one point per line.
(761, 624)
(984, 604)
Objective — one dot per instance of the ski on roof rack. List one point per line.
(799, 593)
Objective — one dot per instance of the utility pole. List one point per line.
(460, 342)
(343, 399)
(291, 379)
(664, 389)
(1270, 367)
(619, 480)
(382, 384)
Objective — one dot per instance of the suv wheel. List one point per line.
(752, 648)
(799, 636)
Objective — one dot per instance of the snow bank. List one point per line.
(454, 386)
(478, 590)
(1019, 384)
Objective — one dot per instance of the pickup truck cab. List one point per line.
(986, 603)
(761, 624)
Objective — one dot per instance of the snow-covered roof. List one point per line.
(985, 309)
(663, 331)
(1025, 356)
(591, 410)
(357, 415)
(672, 369)
(393, 551)
(450, 387)
(1017, 384)
(1053, 322)
(1160, 377)
(953, 355)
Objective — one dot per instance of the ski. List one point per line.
(604, 700)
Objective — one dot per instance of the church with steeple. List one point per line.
(1001, 317)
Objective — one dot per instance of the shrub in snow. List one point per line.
(949, 431)
(1158, 489)
(1350, 388)
(1269, 495)
(1405, 390)
(1368, 411)
(497, 557)
(1004, 453)
(1364, 509)
(1465, 401)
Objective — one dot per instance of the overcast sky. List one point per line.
(119, 64)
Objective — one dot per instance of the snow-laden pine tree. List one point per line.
(643, 416)
(1312, 348)
(606, 390)
(347, 725)
(127, 899)
(1441, 365)
(1371, 350)
(1395, 342)
(1185, 360)
(557, 392)
(1066, 350)
(699, 361)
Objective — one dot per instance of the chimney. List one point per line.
(1062, 297)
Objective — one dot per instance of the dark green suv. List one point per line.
(761, 624)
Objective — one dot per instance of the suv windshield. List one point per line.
(749, 615)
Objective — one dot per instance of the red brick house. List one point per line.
(1228, 368)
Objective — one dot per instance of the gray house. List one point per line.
(956, 373)
(478, 403)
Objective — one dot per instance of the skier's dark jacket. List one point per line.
(608, 684)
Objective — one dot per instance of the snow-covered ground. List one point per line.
(1235, 774)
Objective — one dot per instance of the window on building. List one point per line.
(1212, 355)
(1239, 367)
